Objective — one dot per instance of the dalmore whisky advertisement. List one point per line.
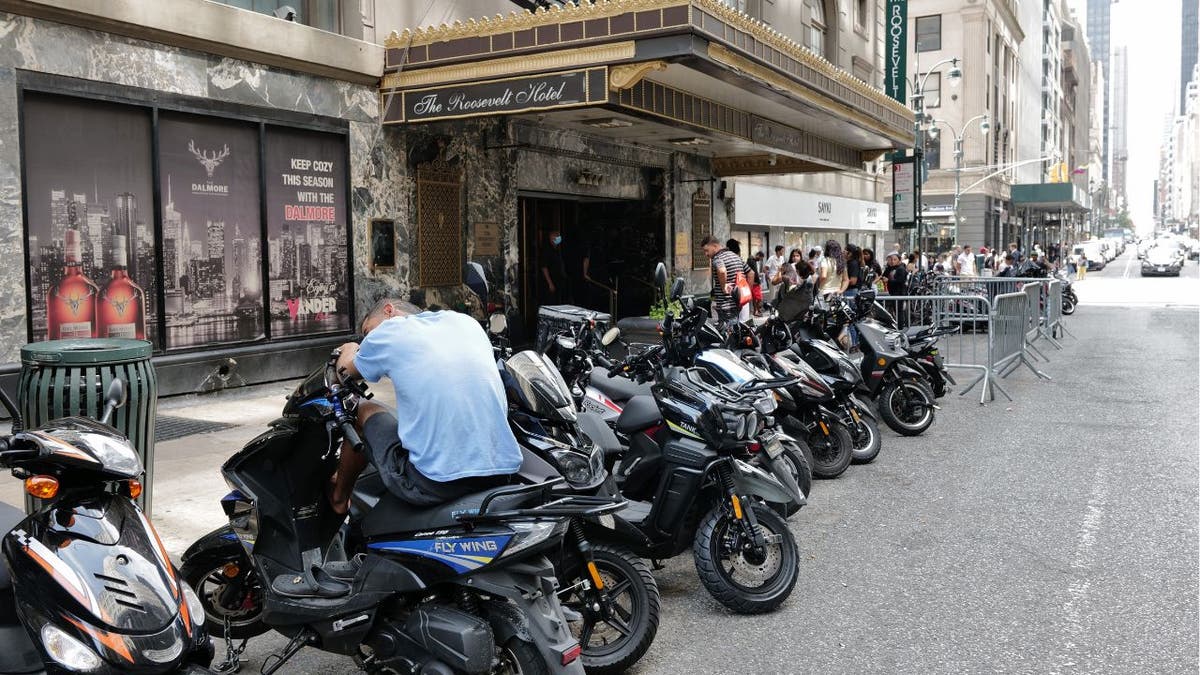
(90, 219)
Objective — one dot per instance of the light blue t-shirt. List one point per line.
(450, 403)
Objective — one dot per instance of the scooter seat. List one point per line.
(617, 388)
(394, 516)
(640, 412)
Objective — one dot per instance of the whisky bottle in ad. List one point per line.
(122, 306)
(71, 303)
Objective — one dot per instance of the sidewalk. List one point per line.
(188, 485)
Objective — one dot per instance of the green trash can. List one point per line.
(61, 378)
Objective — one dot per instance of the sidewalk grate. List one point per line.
(168, 428)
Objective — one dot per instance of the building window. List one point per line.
(817, 27)
(218, 261)
(322, 14)
(929, 33)
(860, 16)
(933, 90)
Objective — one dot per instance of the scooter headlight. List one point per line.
(67, 651)
(766, 404)
(195, 607)
(528, 535)
(574, 466)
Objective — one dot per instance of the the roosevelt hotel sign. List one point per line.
(497, 97)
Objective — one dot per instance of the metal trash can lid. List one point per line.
(85, 351)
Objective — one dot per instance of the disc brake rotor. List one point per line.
(750, 569)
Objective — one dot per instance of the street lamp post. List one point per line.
(921, 123)
(985, 125)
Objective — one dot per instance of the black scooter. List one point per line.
(459, 587)
(87, 585)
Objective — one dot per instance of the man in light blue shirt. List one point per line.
(450, 435)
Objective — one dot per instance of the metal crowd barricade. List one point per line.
(1052, 312)
(988, 287)
(1033, 317)
(968, 347)
(993, 336)
(1012, 322)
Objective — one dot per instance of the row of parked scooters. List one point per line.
(707, 441)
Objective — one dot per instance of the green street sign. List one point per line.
(895, 65)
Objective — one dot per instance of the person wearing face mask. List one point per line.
(554, 271)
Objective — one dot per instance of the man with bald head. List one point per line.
(449, 435)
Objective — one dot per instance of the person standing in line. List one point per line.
(870, 264)
(965, 263)
(772, 267)
(554, 270)
(895, 276)
(832, 277)
(725, 267)
(1015, 251)
(816, 258)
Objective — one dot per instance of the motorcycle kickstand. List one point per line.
(305, 637)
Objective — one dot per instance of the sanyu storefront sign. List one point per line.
(896, 41)
(494, 97)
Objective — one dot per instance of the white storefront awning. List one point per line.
(783, 207)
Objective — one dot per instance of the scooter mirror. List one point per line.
(610, 336)
(677, 289)
(116, 396)
(660, 277)
(497, 324)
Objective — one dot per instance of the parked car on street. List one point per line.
(1163, 261)
(1095, 254)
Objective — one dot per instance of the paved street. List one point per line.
(1053, 534)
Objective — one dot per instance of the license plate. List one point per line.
(1162, 269)
(773, 447)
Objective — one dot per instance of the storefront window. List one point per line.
(306, 232)
(89, 196)
(211, 240)
(94, 239)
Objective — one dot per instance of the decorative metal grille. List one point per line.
(439, 224)
(701, 226)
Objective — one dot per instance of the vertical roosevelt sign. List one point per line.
(896, 48)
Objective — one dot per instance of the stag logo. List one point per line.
(210, 164)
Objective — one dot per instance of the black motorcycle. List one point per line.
(87, 586)
(802, 355)
(609, 593)
(690, 489)
(459, 587)
(890, 373)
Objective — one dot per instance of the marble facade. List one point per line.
(499, 157)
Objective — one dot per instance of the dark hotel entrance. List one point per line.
(604, 256)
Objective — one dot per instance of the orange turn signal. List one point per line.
(882, 362)
(135, 488)
(230, 570)
(42, 487)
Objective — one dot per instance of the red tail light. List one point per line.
(571, 654)
(755, 447)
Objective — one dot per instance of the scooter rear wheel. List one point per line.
(206, 575)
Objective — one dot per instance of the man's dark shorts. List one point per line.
(402, 479)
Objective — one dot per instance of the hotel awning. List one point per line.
(675, 74)
(1067, 197)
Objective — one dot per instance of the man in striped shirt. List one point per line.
(725, 267)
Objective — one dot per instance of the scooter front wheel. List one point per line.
(907, 406)
(746, 580)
